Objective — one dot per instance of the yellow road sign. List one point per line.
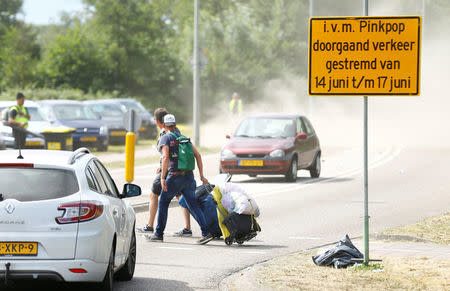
(364, 55)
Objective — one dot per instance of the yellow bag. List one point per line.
(221, 211)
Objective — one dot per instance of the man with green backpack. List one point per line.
(178, 163)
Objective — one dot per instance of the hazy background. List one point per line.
(258, 48)
(421, 121)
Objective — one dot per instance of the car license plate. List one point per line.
(18, 248)
(251, 163)
(32, 143)
(54, 146)
(118, 133)
(142, 128)
(88, 138)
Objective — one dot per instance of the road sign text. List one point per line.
(364, 56)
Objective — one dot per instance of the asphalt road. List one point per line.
(405, 185)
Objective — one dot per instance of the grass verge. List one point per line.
(298, 272)
(119, 149)
(435, 229)
(154, 159)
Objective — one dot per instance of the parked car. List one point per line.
(112, 114)
(272, 144)
(148, 125)
(37, 124)
(90, 131)
(63, 219)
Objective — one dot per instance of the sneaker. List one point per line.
(183, 232)
(146, 228)
(153, 238)
(205, 239)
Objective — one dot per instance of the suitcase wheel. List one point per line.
(228, 241)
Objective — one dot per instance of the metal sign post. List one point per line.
(366, 167)
(310, 101)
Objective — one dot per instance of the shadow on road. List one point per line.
(139, 284)
(300, 180)
(252, 244)
(136, 284)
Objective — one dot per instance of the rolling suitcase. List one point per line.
(242, 227)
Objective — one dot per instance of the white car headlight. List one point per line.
(103, 130)
(227, 154)
(276, 154)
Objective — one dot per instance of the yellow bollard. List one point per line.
(130, 140)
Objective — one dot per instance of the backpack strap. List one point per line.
(173, 134)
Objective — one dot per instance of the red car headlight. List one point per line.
(277, 154)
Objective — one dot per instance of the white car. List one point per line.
(62, 218)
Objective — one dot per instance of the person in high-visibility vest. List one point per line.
(18, 116)
(235, 105)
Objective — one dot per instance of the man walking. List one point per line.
(156, 186)
(19, 117)
(175, 181)
(235, 105)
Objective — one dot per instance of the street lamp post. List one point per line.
(196, 105)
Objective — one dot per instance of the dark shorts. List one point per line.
(156, 187)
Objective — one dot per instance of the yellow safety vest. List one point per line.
(233, 104)
(20, 118)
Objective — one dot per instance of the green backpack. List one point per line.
(186, 158)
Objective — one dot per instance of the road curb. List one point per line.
(245, 279)
(399, 237)
(143, 207)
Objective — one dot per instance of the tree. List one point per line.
(135, 46)
(8, 12)
(19, 55)
(74, 61)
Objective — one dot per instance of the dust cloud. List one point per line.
(420, 121)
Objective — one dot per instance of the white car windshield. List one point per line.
(30, 184)
(266, 128)
(35, 114)
(73, 112)
(133, 105)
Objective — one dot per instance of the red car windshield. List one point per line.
(266, 128)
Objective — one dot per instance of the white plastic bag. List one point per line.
(243, 203)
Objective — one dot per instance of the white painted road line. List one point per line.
(385, 158)
(304, 238)
(176, 248)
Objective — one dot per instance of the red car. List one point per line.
(272, 144)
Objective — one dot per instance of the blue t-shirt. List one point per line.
(170, 141)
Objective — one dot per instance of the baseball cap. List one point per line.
(169, 120)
